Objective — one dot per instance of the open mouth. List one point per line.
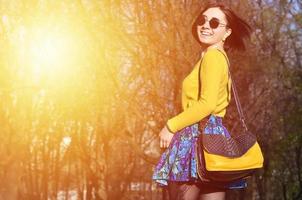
(205, 33)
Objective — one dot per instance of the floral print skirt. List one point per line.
(178, 162)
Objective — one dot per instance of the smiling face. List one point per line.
(212, 28)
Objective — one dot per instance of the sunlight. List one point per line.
(66, 141)
(48, 50)
(50, 53)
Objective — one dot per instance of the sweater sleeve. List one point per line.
(211, 75)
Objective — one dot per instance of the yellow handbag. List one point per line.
(222, 157)
(250, 160)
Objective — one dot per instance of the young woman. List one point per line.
(217, 29)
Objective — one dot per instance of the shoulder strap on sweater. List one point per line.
(238, 104)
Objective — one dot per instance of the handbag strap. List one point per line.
(238, 104)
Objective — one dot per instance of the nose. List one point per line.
(205, 28)
(206, 25)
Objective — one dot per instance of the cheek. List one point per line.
(217, 37)
(219, 34)
(198, 29)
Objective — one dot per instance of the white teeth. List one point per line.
(204, 33)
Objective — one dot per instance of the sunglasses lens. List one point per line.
(214, 23)
(202, 20)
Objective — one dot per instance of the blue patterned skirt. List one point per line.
(178, 162)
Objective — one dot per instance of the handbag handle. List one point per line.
(238, 104)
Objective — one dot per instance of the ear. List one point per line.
(228, 33)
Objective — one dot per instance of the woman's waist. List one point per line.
(219, 110)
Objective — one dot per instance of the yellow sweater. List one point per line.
(213, 95)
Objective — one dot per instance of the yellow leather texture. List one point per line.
(252, 159)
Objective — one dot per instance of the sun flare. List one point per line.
(48, 50)
(47, 53)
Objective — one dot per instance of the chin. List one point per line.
(205, 43)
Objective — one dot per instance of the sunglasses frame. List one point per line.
(211, 21)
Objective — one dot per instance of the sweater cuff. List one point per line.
(170, 127)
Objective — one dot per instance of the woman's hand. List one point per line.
(165, 137)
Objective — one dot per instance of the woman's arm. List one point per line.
(212, 72)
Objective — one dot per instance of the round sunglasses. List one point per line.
(214, 22)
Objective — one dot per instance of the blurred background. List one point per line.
(86, 86)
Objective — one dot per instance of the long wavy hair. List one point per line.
(240, 28)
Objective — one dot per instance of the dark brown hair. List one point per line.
(240, 29)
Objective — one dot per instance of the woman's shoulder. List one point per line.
(214, 52)
(213, 55)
